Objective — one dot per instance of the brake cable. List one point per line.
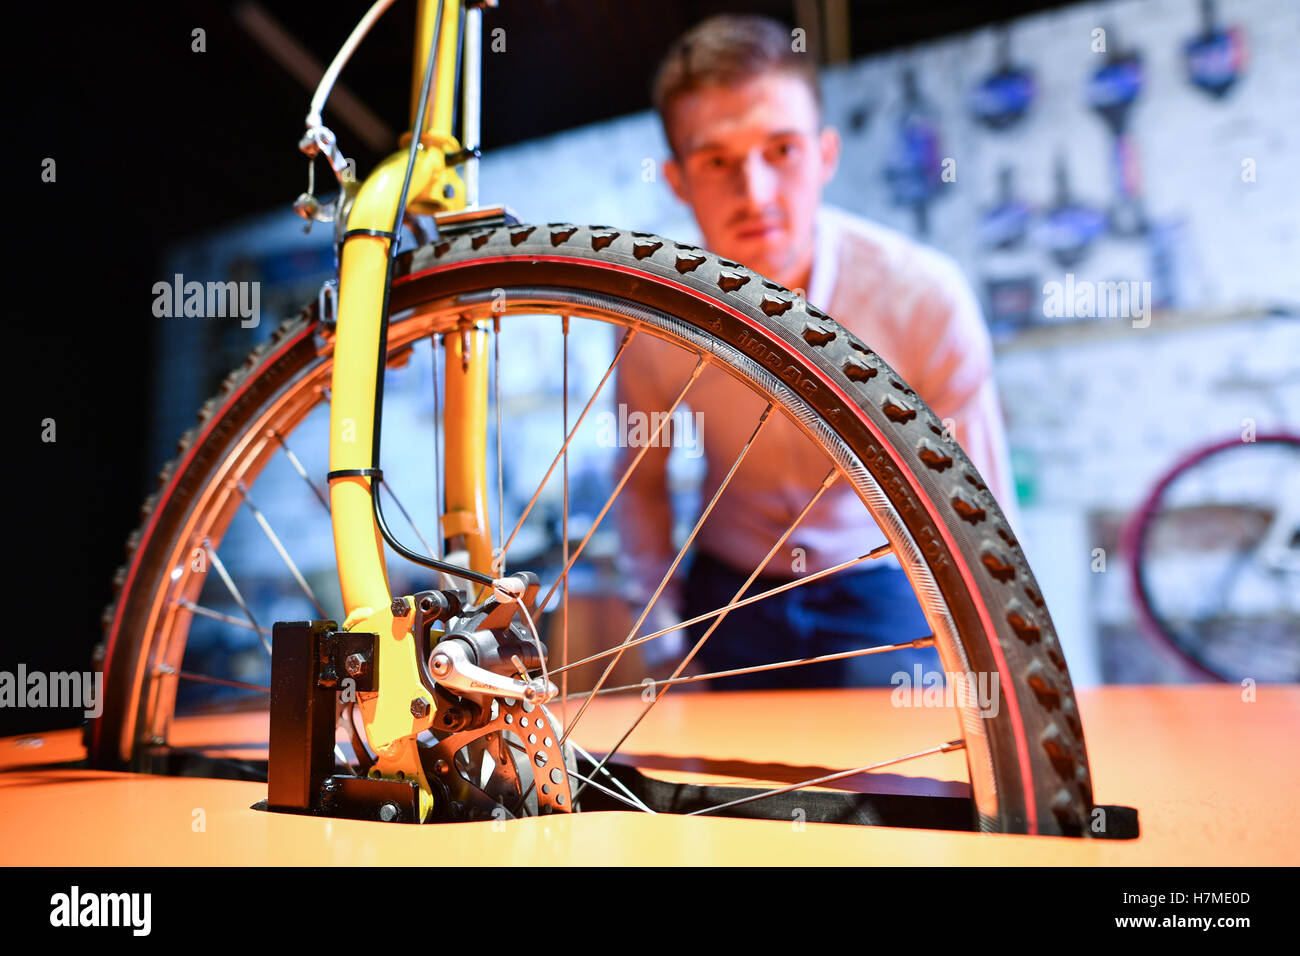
(376, 473)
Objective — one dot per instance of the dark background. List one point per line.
(154, 143)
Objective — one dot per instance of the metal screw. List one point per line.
(354, 664)
(440, 664)
(426, 604)
(442, 766)
(419, 707)
(400, 607)
(389, 812)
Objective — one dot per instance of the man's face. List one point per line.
(751, 163)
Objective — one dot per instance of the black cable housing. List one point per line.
(405, 552)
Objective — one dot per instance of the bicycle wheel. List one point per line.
(1214, 556)
(1027, 760)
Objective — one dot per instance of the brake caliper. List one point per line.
(495, 743)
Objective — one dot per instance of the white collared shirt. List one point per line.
(908, 303)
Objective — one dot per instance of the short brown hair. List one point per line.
(726, 49)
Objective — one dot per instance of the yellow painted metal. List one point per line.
(357, 616)
(444, 190)
(466, 443)
(391, 727)
(357, 546)
(437, 118)
(362, 272)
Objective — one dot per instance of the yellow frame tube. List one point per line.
(437, 119)
(391, 724)
(465, 432)
(362, 273)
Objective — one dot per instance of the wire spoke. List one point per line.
(763, 419)
(218, 616)
(829, 480)
(564, 557)
(383, 482)
(939, 749)
(653, 440)
(437, 448)
(500, 570)
(220, 681)
(636, 801)
(631, 799)
(920, 642)
(234, 592)
(879, 552)
(588, 782)
(302, 472)
(831, 477)
(279, 549)
(604, 770)
(505, 549)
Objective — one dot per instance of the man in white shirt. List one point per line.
(750, 156)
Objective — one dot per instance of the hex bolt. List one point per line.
(354, 664)
(389, 812)
(400, 607)
(419, 707)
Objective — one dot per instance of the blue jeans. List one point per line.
(846, 611)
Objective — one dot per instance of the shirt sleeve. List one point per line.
(643, 510)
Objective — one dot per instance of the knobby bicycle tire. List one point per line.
(1029, 772)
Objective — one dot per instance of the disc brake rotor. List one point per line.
(513, 763)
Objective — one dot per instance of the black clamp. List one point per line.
(356, 473)
(311, 663)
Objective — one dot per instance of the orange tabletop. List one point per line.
(1215, 780)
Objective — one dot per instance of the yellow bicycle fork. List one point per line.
(394, 717)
